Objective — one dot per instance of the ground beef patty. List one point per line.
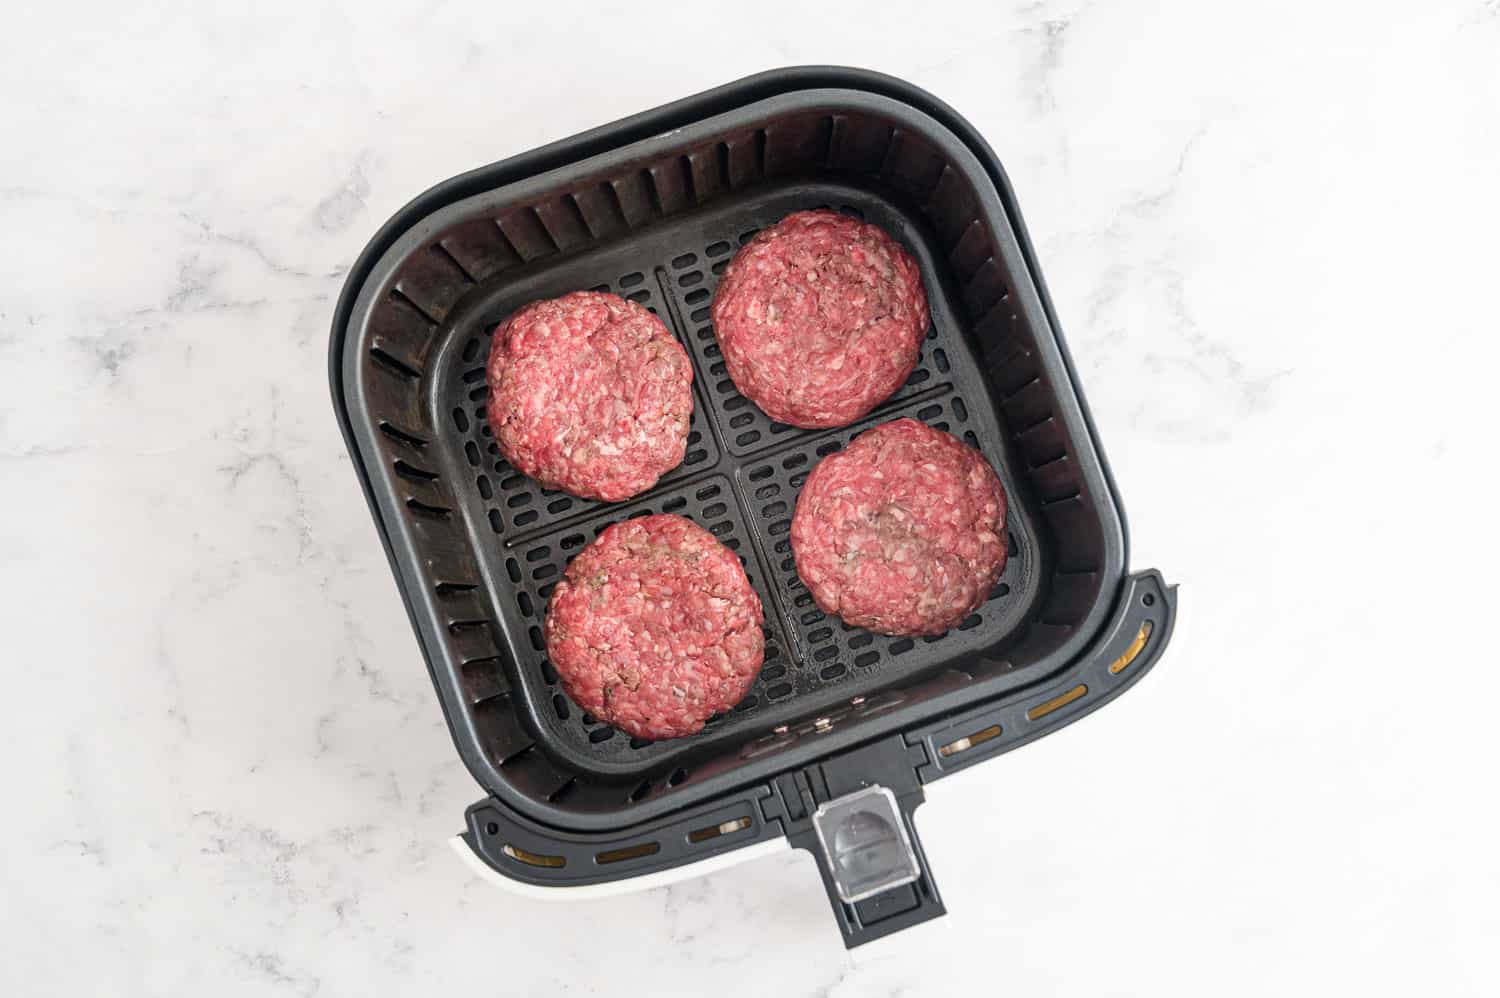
(654, 627)
(589, 393)
(820, 318)
(903, 532)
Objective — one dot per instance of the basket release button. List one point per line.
(865, 843)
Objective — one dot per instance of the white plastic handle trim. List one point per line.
(615, 888)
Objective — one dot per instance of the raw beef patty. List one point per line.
(903, 532)
(654, 627)
(820, 318)
(590, 394)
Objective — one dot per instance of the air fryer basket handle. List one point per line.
(854, 814)
(869, 793)
(890, 910)
(888, 776)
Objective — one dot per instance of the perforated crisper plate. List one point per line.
(740, 480)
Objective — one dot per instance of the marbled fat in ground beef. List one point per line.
(654, 627)
(903, 532)
(590, 394)
(820, 318)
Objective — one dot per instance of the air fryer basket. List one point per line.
(652, 208)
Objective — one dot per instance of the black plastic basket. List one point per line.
(653, 208)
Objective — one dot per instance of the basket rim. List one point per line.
(615, 138)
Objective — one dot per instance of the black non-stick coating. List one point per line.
(650, 207)
(740, 480)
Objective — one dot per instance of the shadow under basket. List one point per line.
(843, 728)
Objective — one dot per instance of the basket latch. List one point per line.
(865, 844)
(853, 812)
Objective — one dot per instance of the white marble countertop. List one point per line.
(1270, 233)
